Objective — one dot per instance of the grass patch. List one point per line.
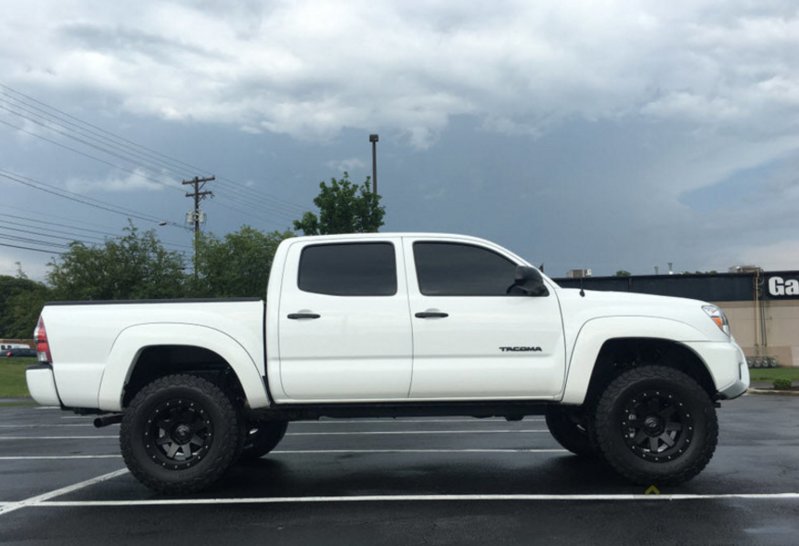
(12, 377)
(770, 374)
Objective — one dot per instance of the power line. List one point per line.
(30, 248)
(237, 196)
(143, 151)
(39, 233)
(27, 222)
(90, 201)
(84, 154)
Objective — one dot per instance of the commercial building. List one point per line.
(763, 306)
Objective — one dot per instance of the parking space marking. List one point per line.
(305, 452)
(475, 450)
(323, 433)
(403, 420)
(417, 498)
(34, 501)
(55, 457)
(380, 432)
(58, 437)
(56, 425)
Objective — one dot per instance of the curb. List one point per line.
(772, 392)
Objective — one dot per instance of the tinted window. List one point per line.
(451, 269)
(358, 269)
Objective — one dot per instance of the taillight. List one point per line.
(42, 346)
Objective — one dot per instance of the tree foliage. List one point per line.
(21, 301)
(344, 207)
(23, 311)
(134, 266)
(622, 273)
(238, 265)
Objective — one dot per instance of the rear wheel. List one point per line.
(656, 425)
(262, 437)
(180, 434)
(569, 427)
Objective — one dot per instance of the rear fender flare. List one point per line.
(133, 340)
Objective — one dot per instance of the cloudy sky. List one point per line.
(608, 134)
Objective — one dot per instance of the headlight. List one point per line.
(718, 316)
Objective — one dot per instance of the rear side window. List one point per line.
(453, 269)
(349, 269)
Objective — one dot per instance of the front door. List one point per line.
(471, 339)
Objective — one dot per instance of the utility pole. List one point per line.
(373, 139)
(196, 216)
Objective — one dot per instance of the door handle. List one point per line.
(296, 316)
(431, 314)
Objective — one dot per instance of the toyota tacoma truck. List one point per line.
(393, 325)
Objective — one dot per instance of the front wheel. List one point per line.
(180, 434)
(656, 425)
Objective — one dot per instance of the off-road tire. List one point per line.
(656, 426)
(570, 429)
(261, 437)
(180, 434)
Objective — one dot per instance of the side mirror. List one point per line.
(529, 282)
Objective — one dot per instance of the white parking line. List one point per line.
(55, 457)
(301, 452)
(316, 451)
(34, 501)
(58, 425)
(373, 432)
(293, 424)
(417, 498)
(59, 437)
(403, 420)
(338, 433)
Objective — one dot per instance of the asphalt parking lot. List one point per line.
(404, 481)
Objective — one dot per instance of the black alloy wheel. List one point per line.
(656, 425)
(180, 433)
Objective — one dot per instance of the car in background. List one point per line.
(19, 352)
(7, 346)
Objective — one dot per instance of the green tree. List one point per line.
(134, 266)
(24, 308)
(344, 207)
(238, 265)
(622, 273)
(12, 288)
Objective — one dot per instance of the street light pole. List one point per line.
(373, 139)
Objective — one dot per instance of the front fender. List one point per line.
(593, 335)
(133, 340)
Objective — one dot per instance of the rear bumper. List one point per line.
(41, 384)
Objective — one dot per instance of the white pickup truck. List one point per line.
(393, 325)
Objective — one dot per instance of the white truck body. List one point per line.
(410, 342)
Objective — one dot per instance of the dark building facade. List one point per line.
(763, 306)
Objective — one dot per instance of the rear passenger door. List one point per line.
(344, 325)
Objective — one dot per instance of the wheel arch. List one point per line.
(621, 354)
(143, 353)
(600, 354)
